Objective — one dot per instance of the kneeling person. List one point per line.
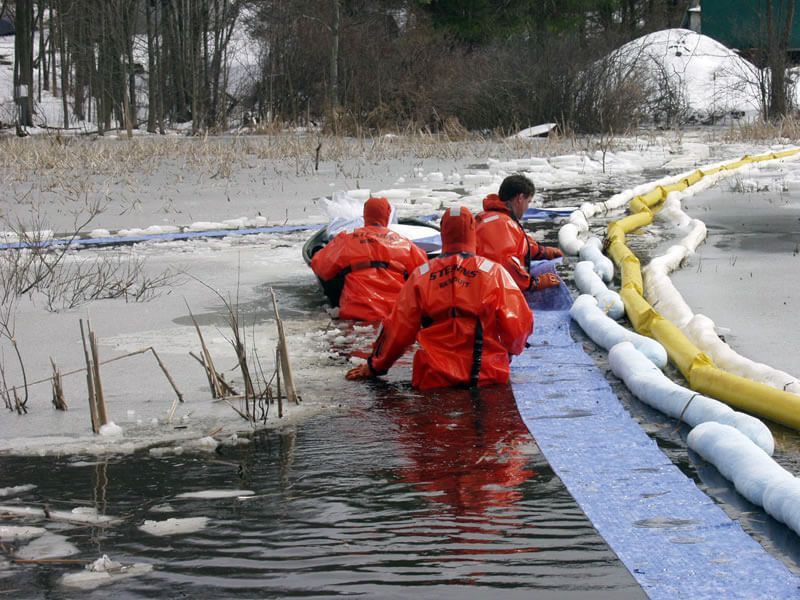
(501, 237)
(464, 310)
(362, 271)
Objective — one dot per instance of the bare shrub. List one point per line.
(611, 96)
(39, 267)
(667, 104)
(103, 277)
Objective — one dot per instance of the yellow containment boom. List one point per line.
(696, 366)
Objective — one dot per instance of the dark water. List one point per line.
(437, 495)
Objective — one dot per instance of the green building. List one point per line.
(741, 24)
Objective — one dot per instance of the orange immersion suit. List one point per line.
(364, 269)
(501, 238)
(465, 312)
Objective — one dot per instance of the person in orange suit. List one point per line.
(464, 311)
(362, 271)
(501, 237)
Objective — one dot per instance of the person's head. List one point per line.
(458, 231)
(516, 191)
(377, 212)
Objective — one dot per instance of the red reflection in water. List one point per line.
(468, 449)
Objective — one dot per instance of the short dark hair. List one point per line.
(515, 184)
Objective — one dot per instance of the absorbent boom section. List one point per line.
(672, 537)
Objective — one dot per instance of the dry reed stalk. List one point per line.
(102, 413)
(206, 370)
(213, 377)
(229, 390)
(166, 373)
(239, 412)
(19, 404)
(291, 391)
(6, 390)
(58, 388)
(90, 383)
(241, 353)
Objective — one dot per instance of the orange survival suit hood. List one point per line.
(458, 231)
(377, 212)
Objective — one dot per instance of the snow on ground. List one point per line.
(709, 79)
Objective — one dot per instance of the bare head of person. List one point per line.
(516, 191)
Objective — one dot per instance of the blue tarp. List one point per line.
(427, 244)
(159, 237)
(672, 538)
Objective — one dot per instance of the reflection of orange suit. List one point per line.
(463, 310)
(469, 450)
(369, 266)
(501, 238)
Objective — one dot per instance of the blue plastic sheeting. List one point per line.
(430, 244)
(547, 213)
(672, 538)
(159, 237)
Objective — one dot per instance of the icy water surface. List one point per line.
(438, 495)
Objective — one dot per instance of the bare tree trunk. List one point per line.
(152, 77)
(100, 73)
(777, 54)
(334, 72)
(23, 63)
(194, 43)
(130, 14)
(778, 12)
(72, 31)
(43, 74)
(65, 63)
(162, 77)
(51, 25)
(173, 52)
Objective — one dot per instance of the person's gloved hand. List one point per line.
(360, 372)
(544, 281)
(553, 252)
